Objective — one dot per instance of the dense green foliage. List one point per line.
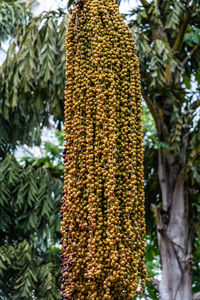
(32, 83)
(13, 14)
(31, 188)
(32, 79)
(29, 207)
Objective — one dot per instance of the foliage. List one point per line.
(26, 273)
(13, 14)
(51, 155)
(32, 84)
(29, 205)
(35, 63)
(32, 80)
(30, 190)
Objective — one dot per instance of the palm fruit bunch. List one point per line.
(102, 211)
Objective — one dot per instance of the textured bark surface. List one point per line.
(174, 238)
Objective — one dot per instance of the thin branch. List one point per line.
(195, 105)
(150, 107)
(189, 55)
(178, 43)
(180, 36)
(145, 3)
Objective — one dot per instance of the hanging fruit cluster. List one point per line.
(102, 213)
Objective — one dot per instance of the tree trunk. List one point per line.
(172, 229)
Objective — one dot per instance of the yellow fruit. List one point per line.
(103, 204)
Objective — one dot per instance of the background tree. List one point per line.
(167, 38)
(31, 188)
(32, 82)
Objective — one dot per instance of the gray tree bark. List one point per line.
(174, 237)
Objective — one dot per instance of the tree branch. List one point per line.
(156, 34)
(189, 55)
(180, 36)
(145, 3)
(178, 43)
(150, 107)
(195, 105)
